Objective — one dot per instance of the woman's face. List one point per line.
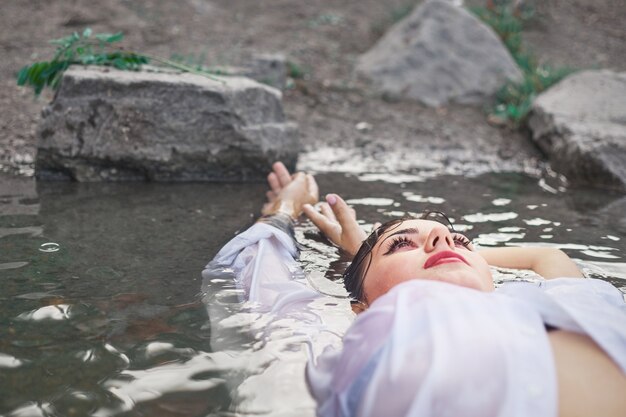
(424, 249)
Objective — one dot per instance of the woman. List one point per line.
(433, 337)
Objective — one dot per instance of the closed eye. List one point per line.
(461, 241)
(399, 243)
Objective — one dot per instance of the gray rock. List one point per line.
(269, 69)
(111, 125)
(440, 53)
(580, 123)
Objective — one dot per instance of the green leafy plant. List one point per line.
(507, 19)
(191, 60)
(195, 63)
(88, 49)
(514, 99)
(83, 49)
(294, 70)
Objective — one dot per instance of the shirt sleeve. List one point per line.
(264, 316)
(262, 261)
(588, 306)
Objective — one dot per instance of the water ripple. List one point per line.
(55, 312)
(423, 199)
(491, 217)
(537, 221)
(8, 361)
(12, 265)
(371, 201)
(49, 247)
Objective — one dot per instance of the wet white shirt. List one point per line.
(429, 348)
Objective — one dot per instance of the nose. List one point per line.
(438, 236)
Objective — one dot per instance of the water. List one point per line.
(101, 311)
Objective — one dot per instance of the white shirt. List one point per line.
(427, 348)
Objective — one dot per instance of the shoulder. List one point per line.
(568, 290)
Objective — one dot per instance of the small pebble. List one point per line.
(363, 127)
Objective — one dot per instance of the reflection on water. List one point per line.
(101, 310)
(49, 247)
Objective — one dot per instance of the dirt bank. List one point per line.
(322, 36)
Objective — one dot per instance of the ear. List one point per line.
(358, 307)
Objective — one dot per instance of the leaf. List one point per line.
(33, 76)
(22, 76)
(88, 59)
(79, 49)
(119, 63)
(56, 81)
(110, 38)
(66, 41)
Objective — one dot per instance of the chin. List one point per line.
(468, 280)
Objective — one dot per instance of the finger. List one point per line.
(300, 181)
(328, 212)
(353, 213)
(326, 226)
(282, 173)
(274, 183)
(271, 196)
(343, 213)
(313, 187)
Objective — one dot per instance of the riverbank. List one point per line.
(332, 107)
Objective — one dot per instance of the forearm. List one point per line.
(547, 262)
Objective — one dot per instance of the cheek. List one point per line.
(385, 275)
(482, 267)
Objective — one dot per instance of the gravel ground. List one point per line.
(324, 37)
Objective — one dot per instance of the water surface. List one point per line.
(101, 311)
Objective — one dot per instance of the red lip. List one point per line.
(443, 257)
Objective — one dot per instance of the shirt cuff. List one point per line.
(281, 221)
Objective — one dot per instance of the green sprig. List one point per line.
(89, 49)
(514, 100)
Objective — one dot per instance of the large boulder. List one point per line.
(106, 124)
(580, 123)
(438, 54)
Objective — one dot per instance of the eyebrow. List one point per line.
(407, 231)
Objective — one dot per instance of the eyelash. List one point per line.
(399, 242)
(460, 239)
(403, 241)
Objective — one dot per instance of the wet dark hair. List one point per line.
(354, 276)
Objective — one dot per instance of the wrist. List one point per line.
(285, 207)
(281, 221)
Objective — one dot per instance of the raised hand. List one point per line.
(288, 193)
(337, 221)
(278, 179)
